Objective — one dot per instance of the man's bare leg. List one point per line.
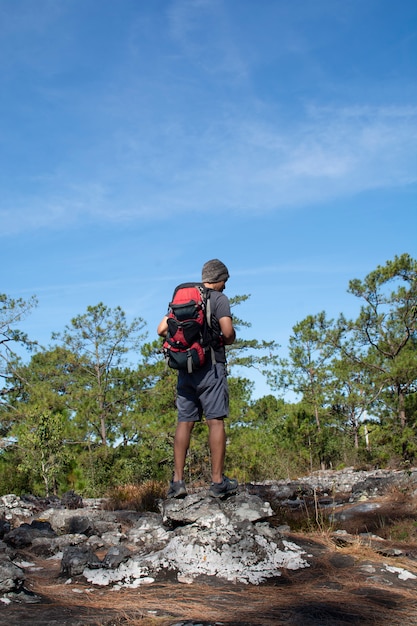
(217, 442)
(181, 445)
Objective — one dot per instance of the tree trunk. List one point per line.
(316, 415)
(103, 430)
(401, 408)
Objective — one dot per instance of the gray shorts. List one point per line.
(204, 391)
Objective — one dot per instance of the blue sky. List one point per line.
(140, 139)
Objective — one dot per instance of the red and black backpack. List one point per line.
(190, 336)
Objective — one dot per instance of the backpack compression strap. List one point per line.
(208, 319)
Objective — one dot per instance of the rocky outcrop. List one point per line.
(236, 540)
(206, 537)
(336, 486)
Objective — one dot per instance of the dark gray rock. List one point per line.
(72, 500)
(43, 526)
(80, 524)
(372, 486)
(115, 556)
(22, 596)
(11, 576)
(106, 526)
(353, 511)
(60, 518)
(24, 535)
(76, 559)
(4, 527)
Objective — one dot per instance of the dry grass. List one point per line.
(323, 595)
(141, 497)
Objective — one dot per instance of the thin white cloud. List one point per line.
(162, 130)
(244, 165)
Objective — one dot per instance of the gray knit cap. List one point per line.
(214, 271)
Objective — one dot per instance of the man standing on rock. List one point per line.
(205, 391)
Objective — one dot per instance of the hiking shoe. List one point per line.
(227, 487)
(177, 489)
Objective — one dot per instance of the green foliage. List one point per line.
(101, 339)
(12, 312)
(12, 481)
(103, 467)
(80, 416)
(249, 353)
(254, 454)
(383, 339)
(41, 447)
(307, 371)
(240, 391)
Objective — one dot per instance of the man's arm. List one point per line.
(228, 332)
(163, 327)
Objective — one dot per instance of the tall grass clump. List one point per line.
(141, 497)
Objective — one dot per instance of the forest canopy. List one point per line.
(78, 415)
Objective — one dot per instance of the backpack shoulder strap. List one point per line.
(208, 314)
(208, 306)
